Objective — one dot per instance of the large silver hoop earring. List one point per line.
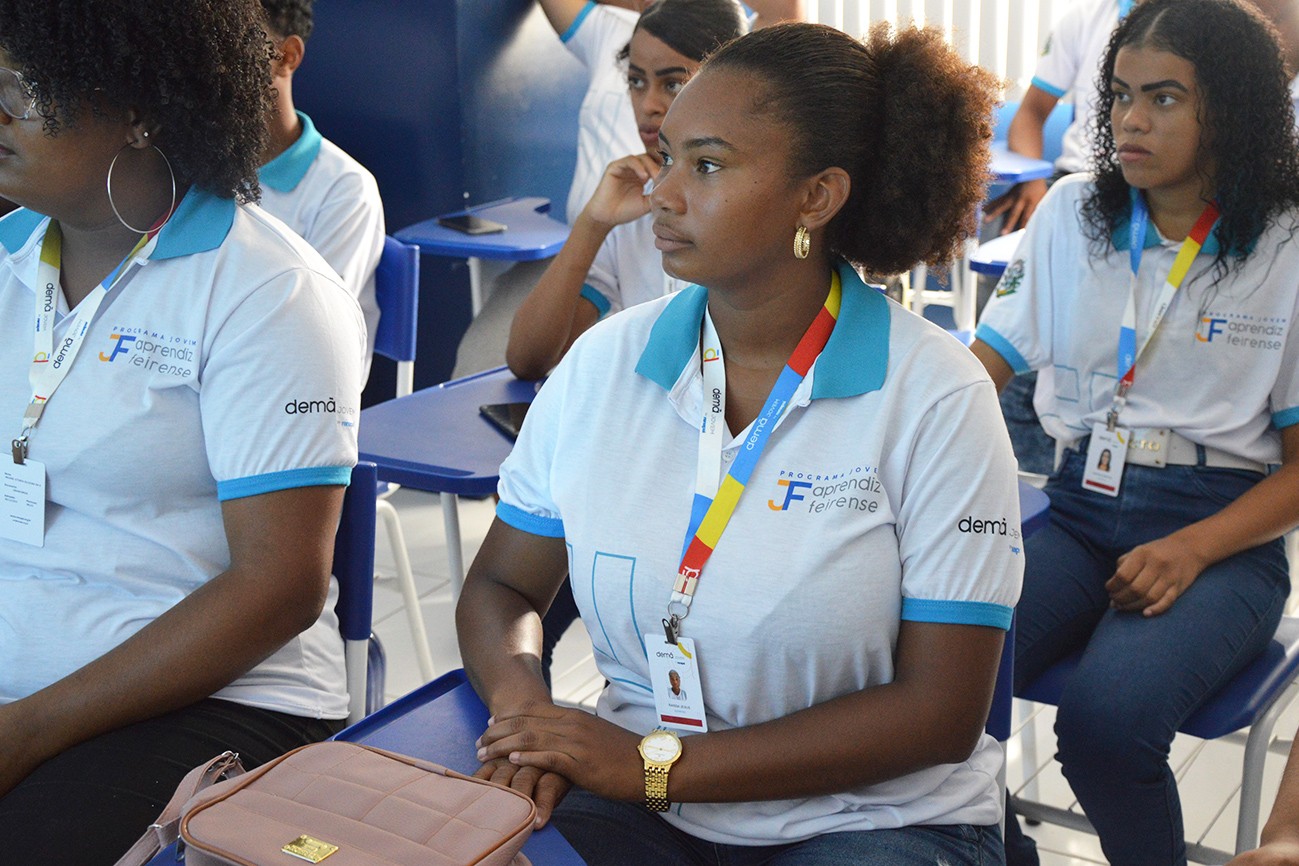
(109, 185)
(802, 242)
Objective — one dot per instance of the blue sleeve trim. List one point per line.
(310, 476)
(1049, 88)
(1285, 418)
(599, 301)
(1003, 348)
(577, 22)
(957, 612)
(547, 527)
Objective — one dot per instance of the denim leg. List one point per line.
(1033, 448)
(1140, 677)
(954, 845)
(1066, 565)
(612, 833)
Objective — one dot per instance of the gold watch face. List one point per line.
(660, 747)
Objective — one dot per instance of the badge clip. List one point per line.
(670, 630)
(20, 450)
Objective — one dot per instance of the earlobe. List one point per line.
(140, 134)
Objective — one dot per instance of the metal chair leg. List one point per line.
(414, 616)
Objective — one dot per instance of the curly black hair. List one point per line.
(196, 70)
(1246, 118)
(901, 112)
(289, 17)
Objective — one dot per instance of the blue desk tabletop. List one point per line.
(1010, 167)
(436, 440)
(439, 722)
(530, 234)
(993, 256)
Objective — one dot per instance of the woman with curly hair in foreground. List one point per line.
(1158, 297)
(837, 661)
(182, 415)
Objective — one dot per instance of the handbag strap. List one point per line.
(165, 830)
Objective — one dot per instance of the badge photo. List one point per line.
(674, 675)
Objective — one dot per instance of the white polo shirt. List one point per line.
(333, 201)
(606, 125)
(228, 365)
(1071, 63)
(887, 493)
(628, 269)
(1223, 369)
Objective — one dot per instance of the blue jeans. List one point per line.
(611, 833)
(1139, 678)
(1034, 450)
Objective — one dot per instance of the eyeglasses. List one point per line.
(16, 98)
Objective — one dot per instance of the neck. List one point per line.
(284, 128)
(1175, 211)
(760, 325)
(95, 241)
(89, 254)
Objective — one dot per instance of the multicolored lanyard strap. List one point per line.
(50, 367)
(714, 504)
(1129, 351)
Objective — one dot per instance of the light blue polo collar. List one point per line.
(201, 223)
(854, 361)
(286, 171)
(1120, 235)
(1125, 6)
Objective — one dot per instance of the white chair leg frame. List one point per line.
(406, 578)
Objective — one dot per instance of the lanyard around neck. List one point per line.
(50, 367)
(715, 503)
(1129, 350)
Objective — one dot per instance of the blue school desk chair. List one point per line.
(1255, 698)
(396, 285)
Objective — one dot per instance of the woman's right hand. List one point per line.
(1277, 853)
(1017, 204)
(620, 197)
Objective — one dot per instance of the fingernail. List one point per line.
(482, 753)
(478, 742)
(514, 757)
(491, 720)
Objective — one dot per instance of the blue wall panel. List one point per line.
(445, 101)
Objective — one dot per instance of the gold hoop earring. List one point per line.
(802, 243)
(108, 183)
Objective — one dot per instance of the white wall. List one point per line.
(1004, 36)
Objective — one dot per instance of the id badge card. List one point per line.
(1105, 458)
(674, 674)
(22, 502)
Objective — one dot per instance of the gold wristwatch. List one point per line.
(660, 750)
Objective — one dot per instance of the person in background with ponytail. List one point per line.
(838, 657)
(1158, 298)
(164, 585)
(609, 261)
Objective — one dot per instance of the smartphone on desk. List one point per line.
(506, 417)
(471, 225)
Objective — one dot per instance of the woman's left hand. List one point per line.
(592, 753)
(1152, 576)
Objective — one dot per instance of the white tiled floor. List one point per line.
(1208, 772)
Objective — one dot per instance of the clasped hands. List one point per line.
(542, 750)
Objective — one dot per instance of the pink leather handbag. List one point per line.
(354, 805)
